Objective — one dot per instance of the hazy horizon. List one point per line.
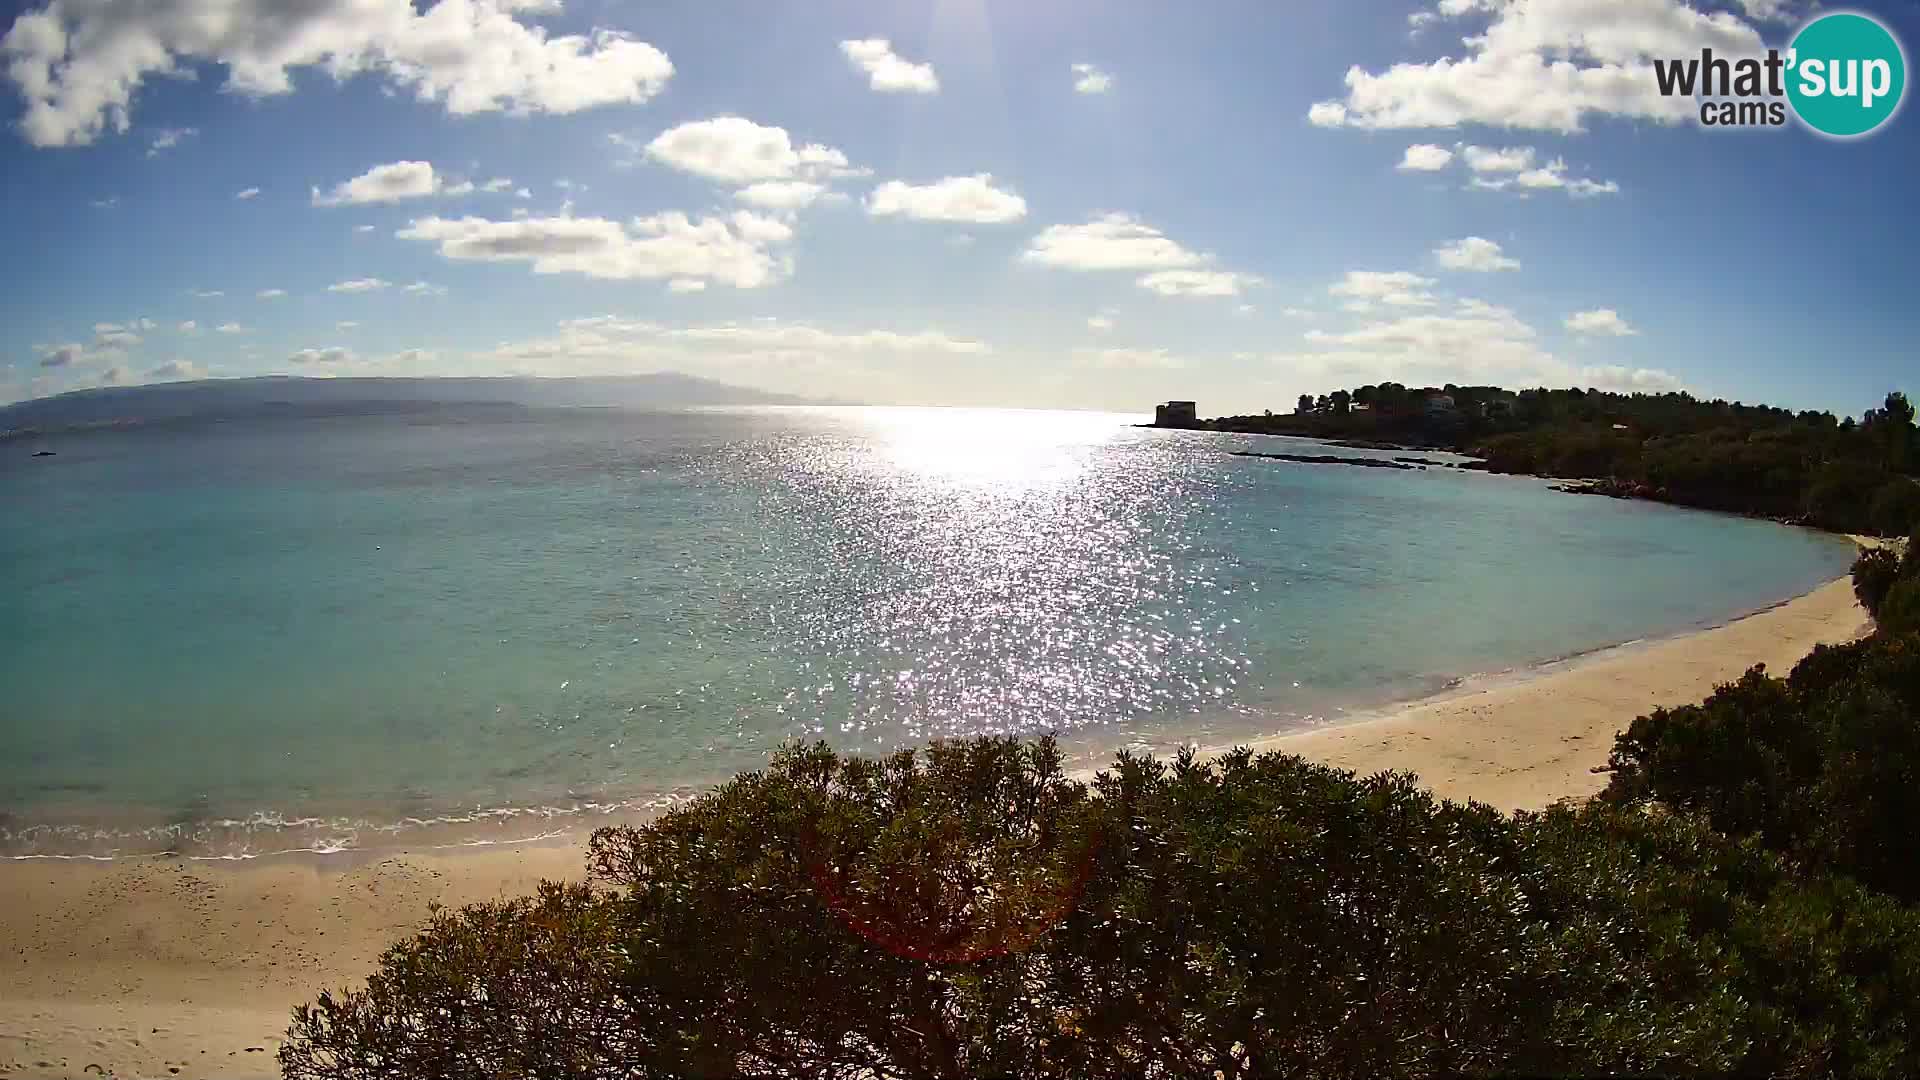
(969, 202)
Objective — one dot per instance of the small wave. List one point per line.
(268, 833)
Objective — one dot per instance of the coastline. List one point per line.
(147, 966)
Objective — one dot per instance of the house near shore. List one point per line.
(1176, 414)
(1440, 402)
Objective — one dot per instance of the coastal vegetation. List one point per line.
(1741, 900)
(1809, 467)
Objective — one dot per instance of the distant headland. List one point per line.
(1807, 468)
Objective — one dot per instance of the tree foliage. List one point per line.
(970, 911)
(1718, 455)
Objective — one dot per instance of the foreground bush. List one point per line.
(969, 911)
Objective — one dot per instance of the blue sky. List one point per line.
(951, 202)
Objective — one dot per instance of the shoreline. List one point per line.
(145, 966)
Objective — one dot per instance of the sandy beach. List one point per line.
(163, 967)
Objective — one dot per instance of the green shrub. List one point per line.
(1900, 612)
(1823, 766)
(1874, 574)
(969, 911)
(1896, 507)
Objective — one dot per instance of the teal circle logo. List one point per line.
(1846, 74)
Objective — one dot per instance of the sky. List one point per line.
(961, 202)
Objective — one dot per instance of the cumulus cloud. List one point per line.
(423, 288)
(1121, 242)
(168, 138)
(337, 354)
(59, 356)
(732, 250)
(1112, 242)
(1100, 323)
(734, 150)
(496, 185)
(80, 63)
(970, 199)
(781, 194)
(686, 285)
(387, 183)
(1476, 254)
(178, 369)
(270, 294)
(208, 294)
(230, 328)
(1484, 159)
(247, 193)
(189, 327)
(1600, 321)
(1545, 65)
(1474, 340)
(1396, 288)
(359, 285)
(887, 72)
(1088, 79)
(1196, 282)
(1425, 157)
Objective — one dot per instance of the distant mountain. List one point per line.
(290, 395)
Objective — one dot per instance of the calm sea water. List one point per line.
(249, 637)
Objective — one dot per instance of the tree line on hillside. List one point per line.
(1809, 467)
(1741, 900)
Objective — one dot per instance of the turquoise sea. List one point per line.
(230, 639)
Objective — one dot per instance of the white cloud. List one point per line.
(732, 250)
(270, 294)
(1603, 321)
(522, 193)
(686, 285)
(1475, 341)
(247, 193)
(1476, 254)
(887, 72)
(363, 228)
(1088, 79)
(1196, 282)
(1544, 65)
(1112, 242)
(188, 327)
(167, 138)
(734, 150)
(80, 64)
(970, 199)
(337, 354)
(1100, 324)
(178, 369)
(1554, 175)
(1425, 157)
(1482, 159)
(422, 288)
(59, 356)
(107, 203)
(387, 183)
(1121, 242)
(1630, 380)
(496, 185)
(1397, 288)
(1327, 114)
(359, 285)
(346, 324)
(208, 294)
(781, 194)
(230, 328)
